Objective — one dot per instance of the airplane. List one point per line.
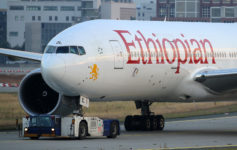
(140, 61)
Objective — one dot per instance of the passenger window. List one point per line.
(81, 50)
(63, 49)
(74, 50)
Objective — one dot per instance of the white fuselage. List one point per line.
(139, 60)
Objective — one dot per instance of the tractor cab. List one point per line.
(43, 125)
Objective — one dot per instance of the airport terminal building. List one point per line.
(118, 9)
(197, 10)
(146, 9)
(3, 31)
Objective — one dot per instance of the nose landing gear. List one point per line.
(147, 121)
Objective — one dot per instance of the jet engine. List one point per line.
(36, 97)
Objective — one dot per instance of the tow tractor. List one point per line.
(74, 127)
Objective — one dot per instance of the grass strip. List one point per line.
(10, 109)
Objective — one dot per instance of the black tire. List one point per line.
(114, 129)
(34, 138)
(154, 123)
(137, 123)
(146, 123)
(161, 122)
(83, 130)
(128, 123)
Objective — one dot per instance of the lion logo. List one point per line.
(94, 72)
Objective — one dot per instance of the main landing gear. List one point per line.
(147, 121)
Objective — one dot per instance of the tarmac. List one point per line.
(209, 132)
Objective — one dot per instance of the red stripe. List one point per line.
(9, 85)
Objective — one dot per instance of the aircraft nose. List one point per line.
(53, 69)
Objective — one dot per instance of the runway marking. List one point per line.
(196, 147)
(194, 120)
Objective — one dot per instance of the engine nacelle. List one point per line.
(36, 97)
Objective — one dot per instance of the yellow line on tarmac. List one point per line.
(197, 147)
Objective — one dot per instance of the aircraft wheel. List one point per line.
(83, 130)
(128, 123)
(161, 122)
(137, 123)
(146, 123)
(154, 123)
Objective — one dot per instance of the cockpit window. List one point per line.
(63, 49)
(78, 50)
(50, 49)
(74, 50)
(81, 50)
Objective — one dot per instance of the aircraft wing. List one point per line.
(21, 54)
(218, 80)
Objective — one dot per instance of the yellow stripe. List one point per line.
(197, 147)
(30, 135)
(37, 135)
(48, 135)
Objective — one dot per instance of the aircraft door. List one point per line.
(118, 54)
